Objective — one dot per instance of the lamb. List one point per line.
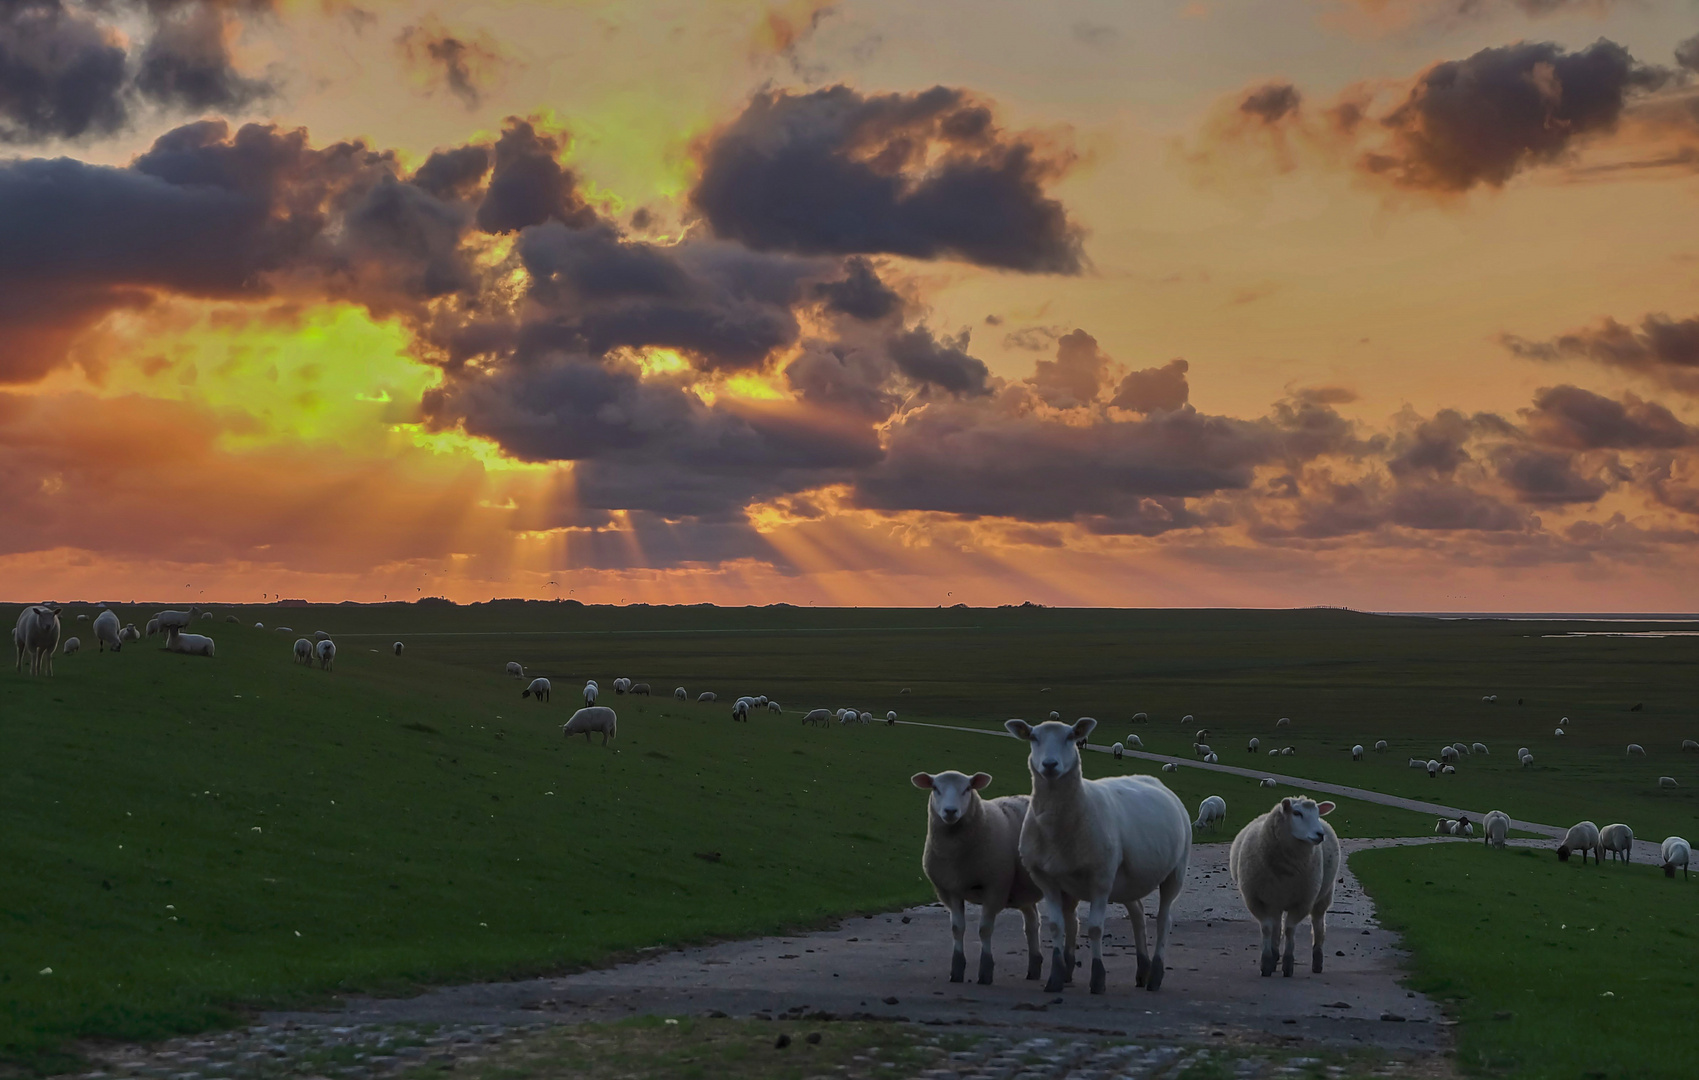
(1418, 763)
(1211, 812)
(1525, 760)
(592, 718)
(706, 695)
(1380, 746)
(1497, 828)
(740, 709)
(1118, 750)
(1480, 748)
(37, 635)
(1617, 840)
(129, 633)
(152, 627)
(303, 651)
(972, 855)
(1357, 752)
(591, 690)
(678, 692)
(1583, 836)
(538, 689)
(1433, 768)
(1447, 770)
(1675, 852)
(1448, 753)
(106, 632)
(71, 645)
(1251, 747)
(1636, 748)
(516, 669)
(643, 689)
(326, 650)
(1285, 863)
(1267, 781)
(190, 644)
(1689, 744)
(621, 685)
(1170, 767)
(398, 646)
(1100, 841)
(1134, 743)
(1667, 781)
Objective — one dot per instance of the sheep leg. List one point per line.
(1270, 938)
(1095, 914)
(1167, 893)
(958, 927)
(1034, 958)
(1071, 922)
(1318, 936)
(1054, 919)
(1291, 934)
(987, 923)
(1135, 915)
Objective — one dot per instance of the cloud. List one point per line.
(528, 184)
(1661, 348)
(187, 63)
(1547, 477)
(62, 74)
(1577, 419)
(1154, 389)
(926, 175)
(1077, 375)
(860, 295)
(942, 363)
(465, 64)
(1395, 14)
(1687, 54)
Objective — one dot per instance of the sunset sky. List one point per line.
(1383, 303)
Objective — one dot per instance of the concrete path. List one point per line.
(1644, 850)
(897, 965)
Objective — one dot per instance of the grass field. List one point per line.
(182, 837)
(1554, 970)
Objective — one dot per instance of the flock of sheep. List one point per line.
(38, 631)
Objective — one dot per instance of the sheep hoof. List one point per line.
(985, 967)
(1155, 980)
(958, 967)
(1286, 966)
(1268, 961)
(1315, 959)
(1099, 977)
(1143, 972)
(1035, 966)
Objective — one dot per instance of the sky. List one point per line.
(1389, 304)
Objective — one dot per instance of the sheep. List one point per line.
(1448, 770)
(1357, 752)
(539, 688)
(1133, 742)
(1186, 719)
(83, 617)
(1497, 828)
(1675, 852)
(740, 709)
(1118, 750)
(1285, 863)
(1520, 750)
(1140, 718)
(906, 690)
(591, 690)
(1211, 759)
(1418, 763)
(1267, 781)
(1525, 760)
(621, 685)
(1274, 752)
(231, 619)
(1100, 841)
(866, 717)
(106, 632)
(398, 647)
(822, 717)
(642, 689)
(1287, 751)
(1689, 744)
(1667, 781)
(1200, 749)
(761, 702)
(592, 718)
(206, 615)
(706, 695)
(516, 669)
(1480, 748)
(259, 626)
(972, 856)
(1211, 812)
(1284, 721)
(1558, 731)
(71, 645)
(1251, 747)
(1170, 767)
(326, 650)
(1461, 748)
(1433, 768)
(152, 627)
(1448, 753)
(177, 620)
(1054, 715)
(1203, 733)
(1443, 827)
(891, 717)
(1618, 841)
(1636, 748)
(303, 651)
(1583, 836)
(190, 644)
(37, 635)
(1380, 746)
(678, 692)
(285, 629)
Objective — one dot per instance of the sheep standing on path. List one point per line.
(538, 689)
(1617, 841)
(303, 651)
(106, 631)
(1285, 863)
(972, 856)
(1675, 852)
(37, 635)
(592, 718)
(1583, 836)
(1497, 828)
(1100, 841)
(327, 654)
(515, 669)
(1211, 812)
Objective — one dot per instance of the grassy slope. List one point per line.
(1518, 933)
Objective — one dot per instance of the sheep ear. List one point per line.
(1083, 728)
(1286, 805)
(1020, 729)
(921, 780)
(1325, 808)
(980, 780)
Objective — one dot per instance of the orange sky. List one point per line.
(854, 303)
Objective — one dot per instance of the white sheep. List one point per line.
(707, 695)
(740, 709)
(303, 651)
(591, 690)
(36, 635)
(129, 633)
(1200, 749)
(83, 617)
(1211, 812)
(1170, 767)
(1287, 751)
(1675, 852)
(106, 631)
(1134, 742)
(71, 645)
(821, 717)
(1636, 748)
(642, 689)
(1418, 763)
(152, 627)
(285, 629)
(1689, 744)
(1461, 748)
(1118, 750)
(1101, 842)
(1617, 840)
(326, 650)
(398, 647)
(1357, 752)
(866, 717)
(515, 669)
(891, 717)
(1496, 826)
(1284, 863)
(621, 685)
(774, 707)
(972, 856)
(678, 692)
(1140, 718)
(1433, 768)
(190, 644)
(1251, 747)
(1444, 827)
(1448, 753)
(1558, 731)
(1274, 751)
(592, 718)
(1202, 734)
(539, 688)
(1054, 715)
(1520, 750)
(176, 620)
(1583, 836)
(1186, 719)
(231, 619)
(1211, 759)
(1284, 721)
(1480, 748)
(259, 626)
(1267, 781)
(1381, 746)
(1667, 781)
(1447, 770)
(1525, 760)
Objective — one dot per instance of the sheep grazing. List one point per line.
(1251, 747)
(1418, 763)
(592, 718)
(1667, 781)
(1140, 718)
(1380, 746)
(1433, 768)
(1287, 751)
(1118, 750)
(707, 695)
(285, 629)
(1557, 731)
(678, 692)
(1636, 748)
(1617, 841)
(515, 669)
(1521, 750)
(1170, 767)
(740, 709)
(1689, 744)
(1284, 721)
(129, 633)
(1203, 733)
(303, 651)
(1525, 760)
(539, 689)
(152, 627)
(774, 707)
(1461, 748)
(591, 690)
(206, 615)
(1099, 841)
(398, 647)
(1054, 715)
(1267, 781)
(326, 650)
(1200, 749)
(106, 632)
(891, 717)
(820, 717)
(36, 635)
(1480, 748)
(75, 644)
(1186, 719)
(83, 617)
(1357, 752)
(972, 856)
(866, 717)
(1675, 852)
(259, 626)
(190, 644)
(642, 689)
(906, 690)
(1211, 759)
(321, 635)
(1583, 836)
(1496, 826)
(1448, 753)
(1285, 863)
(1133, 742)
(621, 685)
(1447, 770)
(1211, 812)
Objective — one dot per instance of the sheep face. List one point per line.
(953, 793)
(1303, 817)
(1053, 747)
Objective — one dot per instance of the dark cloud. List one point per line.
(860, 380)
(462, 63)
(1076, 377)
(187, 62)
(62, 74)
(454, 174)
(1687, 53)
(1272, 102)
(1577, 419)
(925, 175)
(528, 185)
(860, 295)
(1483, 119)
(1547, 477)
(940, 362)
(1662, 348)
(1154, 389)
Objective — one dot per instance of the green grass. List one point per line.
(1553, 970)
